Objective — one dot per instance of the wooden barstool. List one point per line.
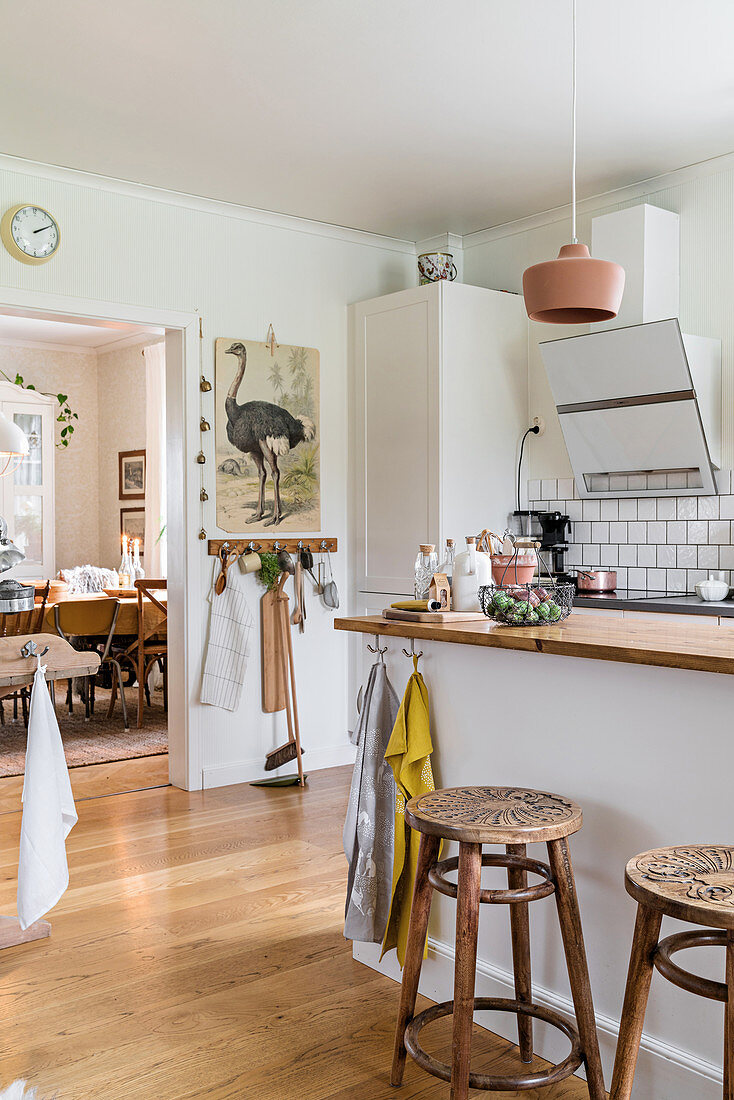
(694, 884)
(513, 817)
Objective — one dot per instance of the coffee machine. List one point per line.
(554, 527)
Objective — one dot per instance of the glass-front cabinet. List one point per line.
(27, 495)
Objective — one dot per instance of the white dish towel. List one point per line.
(228, 649)
(48, 810)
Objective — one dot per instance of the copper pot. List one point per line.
(596, 580)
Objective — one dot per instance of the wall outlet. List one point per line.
(539, 422)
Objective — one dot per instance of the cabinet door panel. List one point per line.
(396, 373)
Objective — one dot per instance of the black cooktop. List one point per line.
(680, 603)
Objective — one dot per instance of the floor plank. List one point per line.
(199, 953)
(94, 780)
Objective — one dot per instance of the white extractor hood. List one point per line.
(640, 409)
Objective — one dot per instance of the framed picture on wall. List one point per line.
(132, 475)
(132, 524)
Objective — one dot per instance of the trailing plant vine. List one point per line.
(65, 417)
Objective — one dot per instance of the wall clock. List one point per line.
(30, 233)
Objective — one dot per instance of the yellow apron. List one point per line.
(409, 755)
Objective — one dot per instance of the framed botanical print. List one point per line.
(132, 524)
(132, 475)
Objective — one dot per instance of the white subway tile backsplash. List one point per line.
(656, 580)
(534, 489)
(609, 509)
(694, 576)
(618, 532)
(566, 487)
(720, 531)
(636, 578)
(726, 557)
(647, 556)
(600, 532)
(726, 507)
(677, 531)
(723, 481)
(628, 508)
(549, 488)
(665, 507)
(637, 532)
(628, 555)
(698, 531)
(591, 556)
(590, 509)
(573, 509)
(581, 532)
(657, 532)
(708, 507)
(574, 557)
(708, 557)
(686, 507)
(666, 557)
(676, 580)
(646, 508)
(687, 557)
(609, 558)
(621, 576)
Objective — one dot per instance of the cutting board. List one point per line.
(273, 684)
(432, 616)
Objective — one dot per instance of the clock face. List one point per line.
(30, 234)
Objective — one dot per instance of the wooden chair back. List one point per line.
(156, 629)
(25, 622)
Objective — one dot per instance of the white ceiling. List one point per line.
(21, 330)
(406, 117)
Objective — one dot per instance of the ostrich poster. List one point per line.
(267, 437)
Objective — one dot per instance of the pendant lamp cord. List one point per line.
(574, 238)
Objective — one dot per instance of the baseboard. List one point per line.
(664, 1071)
(244, 771)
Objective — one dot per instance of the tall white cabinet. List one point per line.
(440, 400)
(27, 495)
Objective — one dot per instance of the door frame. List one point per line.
(182, 408)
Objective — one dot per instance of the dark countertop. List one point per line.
(674, 603)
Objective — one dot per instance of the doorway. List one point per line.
(31, 326)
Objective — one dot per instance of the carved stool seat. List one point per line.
(693, 883)
(512, 817)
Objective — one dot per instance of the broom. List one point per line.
(291, 750)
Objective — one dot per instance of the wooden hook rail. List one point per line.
(316, 544)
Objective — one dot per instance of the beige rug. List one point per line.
(95, 742)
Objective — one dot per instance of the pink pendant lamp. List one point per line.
(575, 289)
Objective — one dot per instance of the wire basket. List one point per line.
(527, 604)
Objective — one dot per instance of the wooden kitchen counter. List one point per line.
(671, 645)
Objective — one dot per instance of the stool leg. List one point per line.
(419, 913)
(467, 927)
(578, 971)
(639, 976)
(729, 1018)
(520, 929)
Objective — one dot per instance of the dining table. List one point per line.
(127, 619)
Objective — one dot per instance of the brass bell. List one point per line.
(204, 425)
(204, 385)
(203, 495)
(202, 534)
(201, 458)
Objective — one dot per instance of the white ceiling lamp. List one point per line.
(13, 446)
(574, 289)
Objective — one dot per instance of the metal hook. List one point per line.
(30, 649)
(411, 652)
(323, 545)
(376, 648)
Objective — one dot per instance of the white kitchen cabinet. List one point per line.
(439, 388)
(27, 494)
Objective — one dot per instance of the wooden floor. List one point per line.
(199, 953)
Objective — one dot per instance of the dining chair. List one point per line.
(13, 623)
(90, 625)
(151, 645)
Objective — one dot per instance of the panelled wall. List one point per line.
(240, 270)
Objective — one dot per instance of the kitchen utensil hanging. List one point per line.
(330, 595)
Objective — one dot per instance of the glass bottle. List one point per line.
(137, 569)
(426, 564)
(124, 572)
(447, 565)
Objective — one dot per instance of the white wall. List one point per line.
(121, 389)
(704, 198)
(119, 244)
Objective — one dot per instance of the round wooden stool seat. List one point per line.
(493, 815)
(694, 883)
